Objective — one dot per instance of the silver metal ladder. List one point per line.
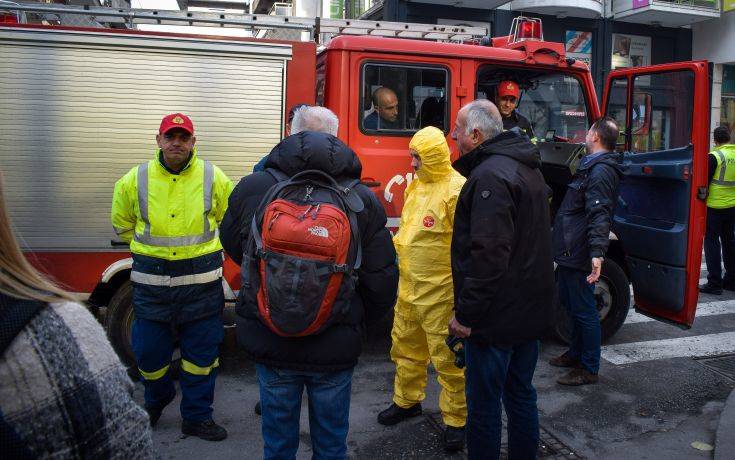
(130, 17)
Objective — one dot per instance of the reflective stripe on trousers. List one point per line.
(175, 241)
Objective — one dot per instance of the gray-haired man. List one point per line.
(503, 278)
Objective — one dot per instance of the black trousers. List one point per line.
(719, 245)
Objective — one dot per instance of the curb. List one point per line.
(725, 438)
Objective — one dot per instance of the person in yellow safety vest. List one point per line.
(169, 209)
(425, 290)
(720, 215)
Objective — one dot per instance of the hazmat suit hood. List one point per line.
(431, 146)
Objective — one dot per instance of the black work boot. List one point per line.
(710, 288)
(207, 430)
(395, 414)
(453, 438)
(258, 408)
(154, 412)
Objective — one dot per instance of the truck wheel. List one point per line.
(612, 294)
(120, 316)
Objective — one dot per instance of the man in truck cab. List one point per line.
(508, 95)
(385, 116)
(581, 236)
(720, 215)
(169, 209)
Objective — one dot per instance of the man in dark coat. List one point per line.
(503, 278)
(324, 362)
(581, 237)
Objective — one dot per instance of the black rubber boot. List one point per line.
(207, 430)
(154, 412)
(453, 438)
(395, 414)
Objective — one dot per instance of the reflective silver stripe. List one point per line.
(208, 183)
(723, 169)
(175, 241)
(173, 281)
(143, 197)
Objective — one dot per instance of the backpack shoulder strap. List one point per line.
(15, 314)
(277, 174)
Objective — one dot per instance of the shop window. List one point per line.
(661, 116)
(401, 99)
(727, 110)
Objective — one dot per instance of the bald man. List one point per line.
(385, 115)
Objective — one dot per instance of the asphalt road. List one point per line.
(658, 397)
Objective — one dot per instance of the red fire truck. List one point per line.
(81, 105)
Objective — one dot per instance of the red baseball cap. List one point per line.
(176, 120)
(508, 88)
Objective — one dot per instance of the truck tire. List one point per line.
(120, 316)
(612, 294)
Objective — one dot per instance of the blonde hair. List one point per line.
(18, 278)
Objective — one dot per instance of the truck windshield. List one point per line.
(553, 103)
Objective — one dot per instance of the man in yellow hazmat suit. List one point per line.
(425, 290)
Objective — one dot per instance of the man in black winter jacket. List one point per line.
(580, 238)
(323, 363)
(503, 278)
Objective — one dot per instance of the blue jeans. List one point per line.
(329, 411)
(578, 296)
(493, 373)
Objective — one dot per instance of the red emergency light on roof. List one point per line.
(524, 28)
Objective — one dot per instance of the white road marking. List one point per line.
(720, 307)
(700, 345)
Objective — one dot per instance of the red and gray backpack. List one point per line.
(303, 252)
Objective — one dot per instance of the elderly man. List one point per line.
(503, 278)
(322, 363)
(385, 115)
(168, 209)
(507, 101)
(425, 295)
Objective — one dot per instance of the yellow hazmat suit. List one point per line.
(425, 290)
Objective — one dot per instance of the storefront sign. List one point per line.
(630, 51)
(640, 3)
(578, 45)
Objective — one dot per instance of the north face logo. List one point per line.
(321, 232)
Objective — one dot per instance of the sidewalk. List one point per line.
(725, 439)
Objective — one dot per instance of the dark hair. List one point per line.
(722, 135)
(293, 110)
(607, 129)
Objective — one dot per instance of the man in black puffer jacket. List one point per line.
(503, 278)
(581, 237)
(322, 362)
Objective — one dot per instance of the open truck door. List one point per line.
(663, 114)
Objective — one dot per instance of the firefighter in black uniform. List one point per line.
(507, 101)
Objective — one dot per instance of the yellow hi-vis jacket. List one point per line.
(171, 216)
(722, 188)
(425, 234)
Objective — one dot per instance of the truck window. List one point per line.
(662, 111)
(554, 103)
(616, 107)
(401, 99)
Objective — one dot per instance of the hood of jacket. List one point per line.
(512, 143)
(608, 158)
(315, 150)
(431, 146)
